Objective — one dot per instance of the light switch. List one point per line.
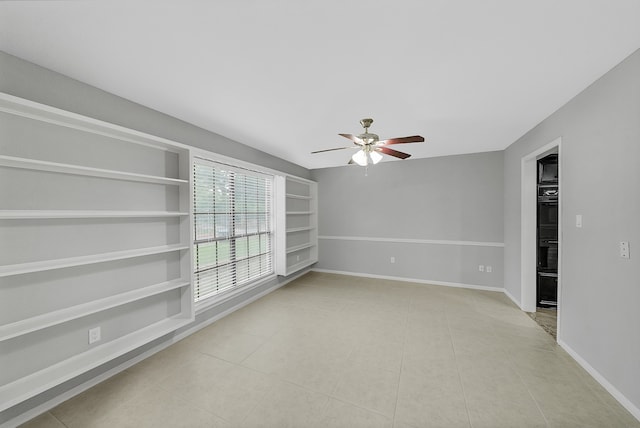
(578, 220)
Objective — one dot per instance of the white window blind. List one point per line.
(233, 227)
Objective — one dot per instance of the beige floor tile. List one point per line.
(168, 361)
(380, 355)
(499, 399)
(535, 365)
(434, 412)
(106, 397)
(313, 300)
(314, 373)
(485, 369)
(431, 397)
(486, 412)
(311, 341)
(286, 406)
(315, 362)
(626, 418)
(228, 392)
(369, 387)
(159, 409)
(425, 348)
(342, 415)
(427, 318)
(45, 420)
(570, 404)
(425, 366)
(202, 366)
(233, 347)
(330, 350)
(524, 339)
(398, 424)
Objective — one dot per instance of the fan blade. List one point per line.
(337, 148)
(353, 138)
(391, 152)
(402, 140)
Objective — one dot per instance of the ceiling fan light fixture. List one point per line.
(360, 157)
(366, 157)
(371, 148)
(375, 157)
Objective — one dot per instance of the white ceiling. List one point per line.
(286, 76)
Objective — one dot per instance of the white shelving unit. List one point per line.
(49, 319)
(51, 214)
(297, 230)
(42, 380)
(63, 173)
(16, 162)
(39, 266)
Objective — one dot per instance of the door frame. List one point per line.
(528, 217)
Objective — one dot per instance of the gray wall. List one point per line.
(29, 81)
(452, 198)
(600, 179)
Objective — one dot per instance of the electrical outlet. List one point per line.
(624, 249)
(489, 269)
(481, 268)
(94, 335)
(392, 259)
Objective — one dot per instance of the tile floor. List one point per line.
(547, 318)
(337, 351)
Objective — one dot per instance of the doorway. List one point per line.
(529, 233)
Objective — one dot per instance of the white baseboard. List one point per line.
(419, 281)
(414, 241)
(624, 401)
(50, 404)
(513, 299)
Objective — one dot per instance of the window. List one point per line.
(233, 227)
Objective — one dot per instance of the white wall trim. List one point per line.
(415, 241)
(513, 299)
(419, 281)
(624, 401)
(50, 404)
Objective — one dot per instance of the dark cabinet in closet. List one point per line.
(547, 231)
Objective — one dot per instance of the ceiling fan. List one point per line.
(370, 146)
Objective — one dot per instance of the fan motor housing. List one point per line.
(369, 138)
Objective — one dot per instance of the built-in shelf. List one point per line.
(293, 196)
(62, 118)
(62, 168)
(49, 319)
(300, 229)
(22, 268)
(298, 199)
(299, 247)
(299, 212)
(153, 191)
(548, 274)
(53, 214)
(15, 392)
(301, 265)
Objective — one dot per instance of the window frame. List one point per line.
(241, 167)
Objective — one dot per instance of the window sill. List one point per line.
(214, 301)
